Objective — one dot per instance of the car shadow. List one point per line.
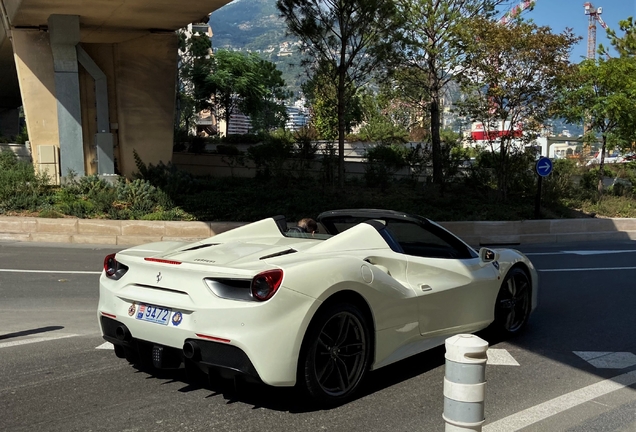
(294, 400)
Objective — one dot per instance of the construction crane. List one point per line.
(595, 15)
(516, 11)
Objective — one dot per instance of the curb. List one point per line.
(131, 233)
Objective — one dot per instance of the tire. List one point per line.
(335, 355)
(514, 303)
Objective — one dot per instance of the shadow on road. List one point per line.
(30, 332)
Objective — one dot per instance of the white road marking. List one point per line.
(105, 346)
(34, 340)
(608, 360)
(581, 252)
(500, 357)
(557, 405)
(586, 269)
(49, 271)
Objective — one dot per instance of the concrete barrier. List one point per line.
(128, 233)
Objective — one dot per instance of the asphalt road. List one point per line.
(55, 374)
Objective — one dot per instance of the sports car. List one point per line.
(318, 310)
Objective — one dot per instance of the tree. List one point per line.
(431, 51)
(625, 45)
(350, 36)
(602, 94)
(245, 83)
(511, 76)
(195, 64)
(322, 98)
(271, 112)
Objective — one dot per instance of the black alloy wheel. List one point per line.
(514, 301)
(336, 355)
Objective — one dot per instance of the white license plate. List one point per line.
(155, 314)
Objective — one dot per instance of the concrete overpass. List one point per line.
(96, 78)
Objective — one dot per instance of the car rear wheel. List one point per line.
(514, 301)
(336, 354)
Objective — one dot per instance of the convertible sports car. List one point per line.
(317, 310)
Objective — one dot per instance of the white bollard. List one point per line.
(465, 383)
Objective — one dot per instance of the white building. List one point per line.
(240, 124)
(297, 117)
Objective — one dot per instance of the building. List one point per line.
(297, 118)
(240, 124)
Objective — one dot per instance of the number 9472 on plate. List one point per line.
(155, 314)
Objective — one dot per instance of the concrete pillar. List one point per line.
(34, 64)
(146, 70)
(64, 31)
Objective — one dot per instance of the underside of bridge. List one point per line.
(96, 79)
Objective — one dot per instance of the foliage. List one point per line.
(558, 184)
(20, 187)
(270, 157)
(195, 64)
(512, 74)
(602, 93)
(383, 161)
(430, 53)
(166, 177)
(379, 125)
(322, 96)
(625, 45)
(247, 84)
(347, 39)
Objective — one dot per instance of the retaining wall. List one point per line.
(128, 233)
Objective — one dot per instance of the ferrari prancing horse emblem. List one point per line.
(158, 277)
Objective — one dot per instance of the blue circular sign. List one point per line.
(544, 166)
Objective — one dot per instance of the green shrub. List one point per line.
(270, 157)
(20, 187)
(558, 184)
(383, 161)
(167, 177)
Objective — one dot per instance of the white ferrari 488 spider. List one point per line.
(314, 310)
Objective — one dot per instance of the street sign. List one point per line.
(544, 166)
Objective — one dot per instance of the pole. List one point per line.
(537, 202)
(465, 383)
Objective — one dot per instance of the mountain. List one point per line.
(256, 26)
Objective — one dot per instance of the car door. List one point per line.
(454, 287)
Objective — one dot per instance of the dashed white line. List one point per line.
(34, 340)
(557, 405)
(500, 357)
(49, 271)
(105, 346)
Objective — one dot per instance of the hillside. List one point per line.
(255, 25)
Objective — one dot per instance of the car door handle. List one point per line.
(424, 287)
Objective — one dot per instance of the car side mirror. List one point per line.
(488, 255)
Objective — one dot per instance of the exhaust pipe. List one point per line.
(191, 351)
(122, 333)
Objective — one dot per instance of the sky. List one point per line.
(560, 14)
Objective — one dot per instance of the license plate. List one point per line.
(155, 314)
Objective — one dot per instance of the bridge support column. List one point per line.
(34, 64)
(64, 32)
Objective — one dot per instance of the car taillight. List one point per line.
(265, 284)
(113, 268)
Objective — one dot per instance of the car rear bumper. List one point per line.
(206, 354)
(260, 340)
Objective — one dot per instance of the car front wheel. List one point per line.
(336, 354)
(514, 302)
